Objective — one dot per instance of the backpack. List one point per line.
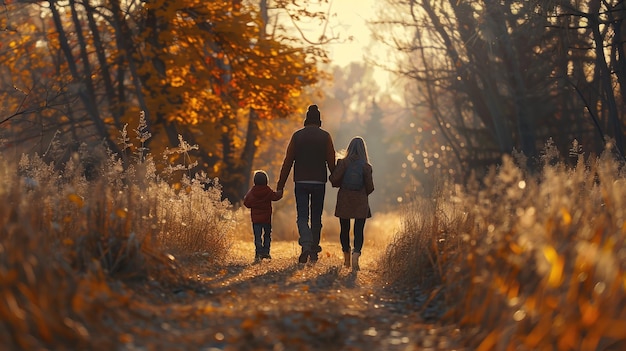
(353, 176)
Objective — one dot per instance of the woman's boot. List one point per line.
(346, 259)
(355, 261)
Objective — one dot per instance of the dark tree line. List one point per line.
(496, 76)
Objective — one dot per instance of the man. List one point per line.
(311, 152)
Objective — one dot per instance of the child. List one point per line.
(353, 177)
(259, 200)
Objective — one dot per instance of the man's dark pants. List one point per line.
(309, 206)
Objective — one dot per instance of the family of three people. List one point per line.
(311, 153)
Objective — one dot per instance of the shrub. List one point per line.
(527, 261)
(65, 238)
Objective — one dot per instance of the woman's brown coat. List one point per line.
(352, 203)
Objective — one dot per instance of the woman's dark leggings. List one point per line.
(344, 236)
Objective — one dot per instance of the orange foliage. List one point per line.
(197, 68)
(216, 63)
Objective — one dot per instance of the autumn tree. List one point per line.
(206, 71)
(247, 76)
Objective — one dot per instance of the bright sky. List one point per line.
(349, 19)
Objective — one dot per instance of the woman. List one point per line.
(353, 177)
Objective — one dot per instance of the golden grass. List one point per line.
(522, 261)
(525, 262)
(67, 243)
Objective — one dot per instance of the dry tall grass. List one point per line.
(66, 242)
(525, 262)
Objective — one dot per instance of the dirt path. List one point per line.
(283, 305)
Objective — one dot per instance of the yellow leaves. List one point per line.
(294, 93)
(489, 342)
(76, 199)
(177, 82)
(609, 245)
(570, 338)
(539, 332)
(589, 313)
(566, 217)
(207, 309)
(556, 266)
(268, 76)
(121, 212)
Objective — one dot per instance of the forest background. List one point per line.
(166, 107)
(471, 81)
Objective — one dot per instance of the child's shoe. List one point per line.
(257, 258)
(267, 256)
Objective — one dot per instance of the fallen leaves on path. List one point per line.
(278, 304)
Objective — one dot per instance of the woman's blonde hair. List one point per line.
(357, 149)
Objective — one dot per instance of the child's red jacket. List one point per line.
(259, 200)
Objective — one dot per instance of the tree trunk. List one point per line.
(605, 78)
(618, 45)
(123, 40)
(87, 94)
(114, 108)
(521, 105)
(249, 150)
(485, 99)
